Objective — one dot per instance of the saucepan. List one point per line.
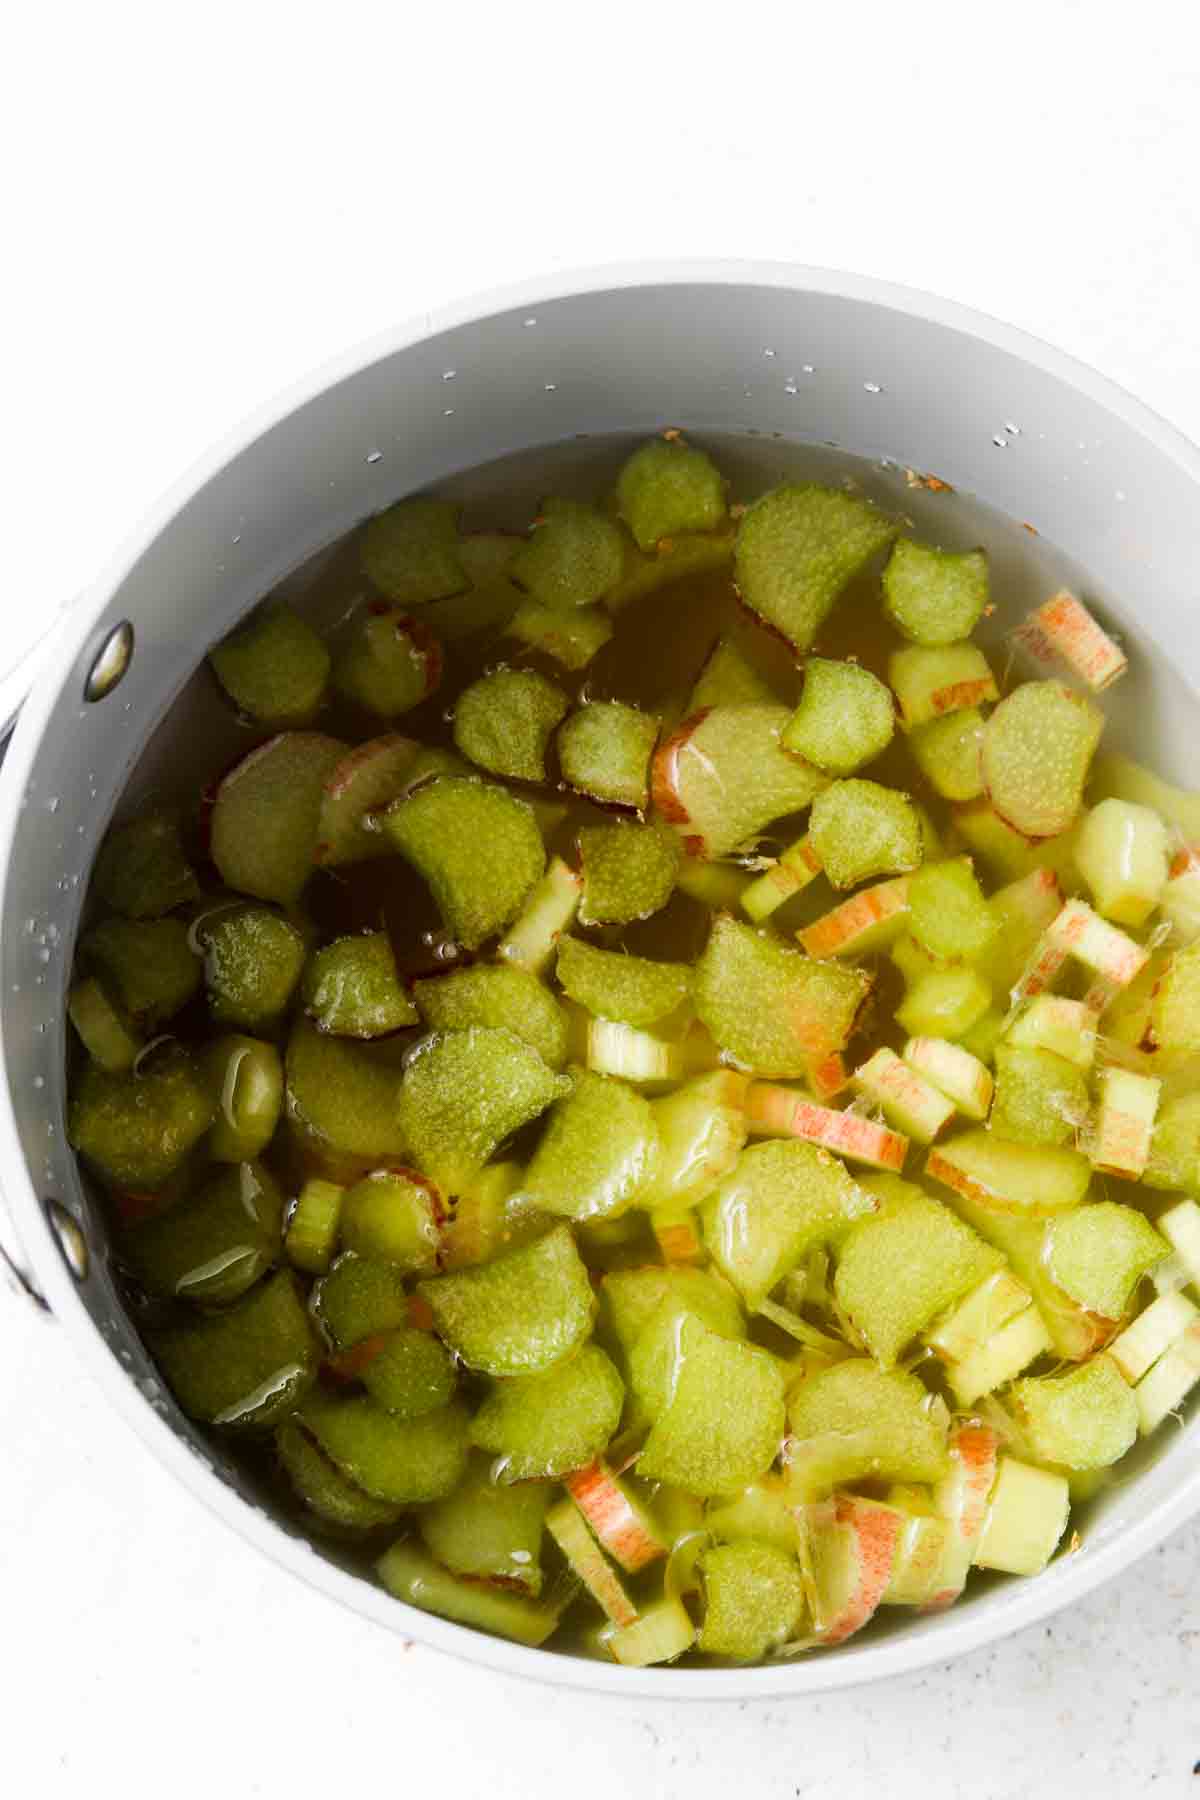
(777, 353)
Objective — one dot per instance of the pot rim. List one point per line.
(1027, 1602)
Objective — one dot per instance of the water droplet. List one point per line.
(872, 387)
(449, 374)
(807, 369)
(1012, 430)
(237, 538)
(1120, 494)
(550, 386)
(53, 804)
(374, 456)
(447, 412)
(528, 322)
(791, 387)
(768, 353)
(39, 1081)
(43, 955)
(748, 393)
(1000, 441)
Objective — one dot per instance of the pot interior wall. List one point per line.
(764, 370)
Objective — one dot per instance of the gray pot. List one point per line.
(894, 374)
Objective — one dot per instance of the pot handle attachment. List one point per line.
(10, 1257)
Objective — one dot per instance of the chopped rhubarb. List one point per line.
(622, 1526)
(565, 1524)
(906, 1098)
(960, 1076)
(853, 1544)
(1125, 1122)
(1063, 631)
(869, 920)
(773, 1111)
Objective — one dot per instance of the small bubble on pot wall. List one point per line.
(551, 387)
(999, 440)
(449, 374)
(872, 387)
(808, 369)
(374, 456)
(791, 387)
(528, 322)
(447, 412)
(768, 353)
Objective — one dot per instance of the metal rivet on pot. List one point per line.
(111, 662)
(71, 1240)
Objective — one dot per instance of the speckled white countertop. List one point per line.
(207, 202)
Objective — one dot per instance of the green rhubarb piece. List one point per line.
(488, 1530)
(392, 1215)
(1085, 1419)
(782, 1199)
(570, 638)
(404, 1461)
(252, 962)
(934, 596)
(322, 1486)
(1040, 1098)
(1097, 1255)
(573, 556)
(247, 1082)
(846, 717)
(897, 1271)
(1037, 748)
(266, 818)
(487, 554)
(980, 1165)
(753, 1600)
(629, 870)
(215, 1244)
(761, 1514)
(389, 662)
(667, 487)
(604, 750)
(724, 776)
(597, 1154)
(1123, 853)
(504, 722)
(365, 781)
(653, 1361)
(690, 554)
(701, 1132)
(142, 870)
(1175, 1008)
(945, 1003)
(855, 1420)
(499, 996)
(1073, 1331)
(947, 750)
(543, 1426)
(360, 1298)
(411, 552)
(770, 1006)
(411, 1575)
(930, 682)
(274, 667)
(463, 1093)
(411, 1373)
(478, 847)
(136, 1130)
(982, 1037)
(1174, 1161)
(797, 548)
(149, 964)
(106, 1032)
(340, 1099)
(725, 1421)
(483, 610)
(248, 1364)
(631, 1298)
(727, 679)
(615, 986)
(948, 913)
(858, 829)
(488, 1218)
(351, 988)
(312, 1229)
(517, 1315)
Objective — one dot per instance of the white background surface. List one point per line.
(203, 202)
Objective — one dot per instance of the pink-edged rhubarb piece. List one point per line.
(852, 1543)
(623, 1527)
(1124, 1122)
(908, 1101)
(1063, 631)
(963, 1079)
(566, 1526)
(774, 1111)
(867, 921)
(962, 1498)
